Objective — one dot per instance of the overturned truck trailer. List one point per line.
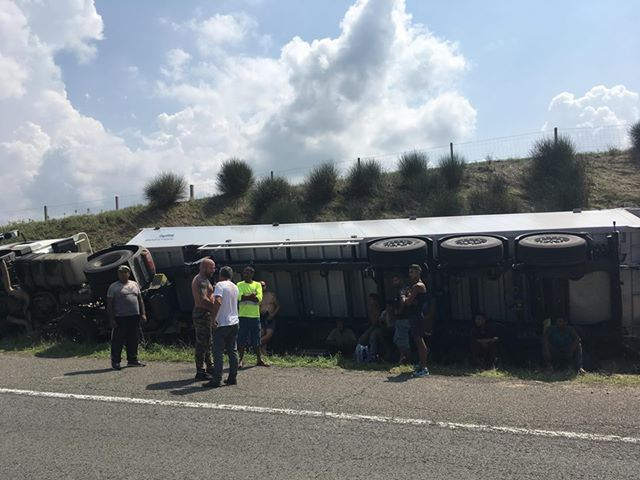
(520, 269)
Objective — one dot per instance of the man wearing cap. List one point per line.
(125, 309)
(250, 293)
(202, 291)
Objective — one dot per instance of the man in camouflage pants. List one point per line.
(202, 291)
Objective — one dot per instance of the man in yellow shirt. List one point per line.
(250, 293)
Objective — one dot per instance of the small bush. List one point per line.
(268, 192)
(452, 169)
(165, 189)
(364, 179)
(285, 210)
(556, 178)
(320, 186)
(493, 197)
(634, 133)
(443, 202)
(414, 170)
(235, 178)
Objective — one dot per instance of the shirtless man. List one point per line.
(269, 308)
(202, 292)
(414, 305)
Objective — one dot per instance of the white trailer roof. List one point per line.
(163, 237)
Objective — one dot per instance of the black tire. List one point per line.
(398, 252)
(102, 262)
(470, 251)
(552, 249)
(102, 267)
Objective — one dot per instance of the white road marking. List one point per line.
(596, 437)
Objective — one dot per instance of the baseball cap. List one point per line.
(123, 268)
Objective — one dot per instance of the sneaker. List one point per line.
(202, 375)
(211, 384)
(422, 372)
(229, 381)
(116, 366)
(136, 363)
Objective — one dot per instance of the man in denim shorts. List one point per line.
(250, 293)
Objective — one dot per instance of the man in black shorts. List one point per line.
(414, 305)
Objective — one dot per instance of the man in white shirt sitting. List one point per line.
(225, 313)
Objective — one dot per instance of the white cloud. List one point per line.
(72, 25)
(221, 31)
(49, 152)
(177, 59)
(383, 84)
(599, 107)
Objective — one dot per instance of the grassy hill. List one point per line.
(614, 183)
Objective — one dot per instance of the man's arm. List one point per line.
(199, 289)
(143, 312)
(416, 290)
(275, 302)
(576, 339)
(215, 308)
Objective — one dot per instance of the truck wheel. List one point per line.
(107, 261)
(398, 252)
(471, 251)
(101, 269)
(549, 249)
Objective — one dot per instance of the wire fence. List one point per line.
(586, 139)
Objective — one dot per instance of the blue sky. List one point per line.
(97, 97)
(521, 54)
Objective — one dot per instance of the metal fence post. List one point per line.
(117, 203)
(555, 135)
(192, 193)
(271, 174)
(46, 213)
(451, 150)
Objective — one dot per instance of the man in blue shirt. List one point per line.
(561, 345)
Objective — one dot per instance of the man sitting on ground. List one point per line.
(561, 346)
(372, 337)
(484, 343)
(341, 340)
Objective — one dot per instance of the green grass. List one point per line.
(614, 183)
(184, 353)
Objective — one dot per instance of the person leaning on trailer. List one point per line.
(125, 309)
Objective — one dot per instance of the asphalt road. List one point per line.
(45, 437)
